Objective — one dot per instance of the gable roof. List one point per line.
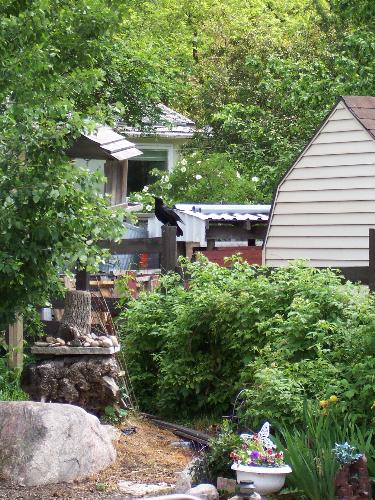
(170, 124)
(363, 108)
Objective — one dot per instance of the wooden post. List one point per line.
(210, 244)
(124, 188)
(168, 258)
(189, 248)
(82, 280)
(371, 260)
(15, 342)
(110, 181)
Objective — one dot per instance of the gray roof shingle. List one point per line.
(170, 124)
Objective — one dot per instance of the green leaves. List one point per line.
(282, 335)
(64, 68)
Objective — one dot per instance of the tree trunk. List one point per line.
(76, 320)
(86, 381)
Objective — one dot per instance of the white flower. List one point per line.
(165, 178)
(198, 177)
(183, 162)
(145, 189)
(238, 175)
(148, 208)
(183, 169)
(255, 179)
(199, 162)
(169, 186)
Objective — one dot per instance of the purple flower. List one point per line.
(254, 455)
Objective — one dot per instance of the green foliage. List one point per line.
(114, 415)
(64, 68)
(280, 335)
(9, 383)
(262, 75)
(310, 451)
(201, 178)
(216, 461)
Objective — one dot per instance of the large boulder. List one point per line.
(43, 443)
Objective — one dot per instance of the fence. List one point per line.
(166, 247)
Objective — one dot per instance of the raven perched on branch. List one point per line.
(167, 216)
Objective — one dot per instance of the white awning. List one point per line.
(105, 143)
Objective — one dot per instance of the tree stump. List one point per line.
(76, 320)
(86, 381)
(352, 481)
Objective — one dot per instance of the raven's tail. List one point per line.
(179, 230)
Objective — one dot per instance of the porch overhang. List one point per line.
(104, 144)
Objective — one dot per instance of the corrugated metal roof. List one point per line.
(170, 124)
(226, 213)
(363, 108)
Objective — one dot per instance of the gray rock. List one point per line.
(113, 432)
(205, 491)
(183, 482)
(225, 484)
(136, 490)
(181, 444)
(106, 342)
(46, 443)
(114, 340)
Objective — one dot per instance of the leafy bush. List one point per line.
(216, 461)
(203, 177)
(282, 335)
(9, 383)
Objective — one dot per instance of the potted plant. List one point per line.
(258, 461)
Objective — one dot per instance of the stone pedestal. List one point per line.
(85, 377)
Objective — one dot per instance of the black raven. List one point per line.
(167, 216)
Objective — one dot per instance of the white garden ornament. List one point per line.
(258, 461)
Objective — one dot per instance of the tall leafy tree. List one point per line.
(63, 69)
(263, 74)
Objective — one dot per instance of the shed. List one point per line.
(108, 152)
(325, 204)
(224, 223)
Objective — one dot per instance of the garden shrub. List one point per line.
(282, 335)
(10, 389)
(215, 461)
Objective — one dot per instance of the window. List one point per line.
(140, 167)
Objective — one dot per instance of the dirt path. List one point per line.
(146, 456)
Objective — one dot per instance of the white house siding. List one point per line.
(325, 205)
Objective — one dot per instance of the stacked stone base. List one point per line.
(86, 381)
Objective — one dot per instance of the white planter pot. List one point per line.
(266, 479)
